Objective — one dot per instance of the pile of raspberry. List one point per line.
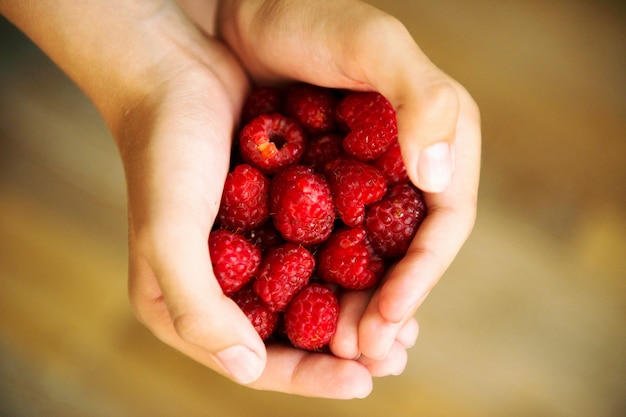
(317, 202)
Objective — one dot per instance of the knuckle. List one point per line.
(190, 327)
(442, 97)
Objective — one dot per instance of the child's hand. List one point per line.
(171, 96)
(348, 44)
(176, 146)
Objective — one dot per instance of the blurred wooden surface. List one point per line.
(529, 320)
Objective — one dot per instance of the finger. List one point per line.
(450, 219)
(345, 341)
(369, 51)
(376, 334)
(299, 372)
(175, 178)
(395, 360)
(407, 335)
(181, 303)
(426, 103)
(427, 118)
(393, 364)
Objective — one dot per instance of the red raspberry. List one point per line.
(283, 272)
(301, 205)
(245, 199)
(271, 142)
(372, 123)
(392, 222)
(348, 259)
(322, 149)
(392, 166)
(265, 237)
(311, 317)
(312, 106)
(234, 259)
(262, 100)
(264, 320)
(354, 184)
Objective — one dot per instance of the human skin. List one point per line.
(169, 80)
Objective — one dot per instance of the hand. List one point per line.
(349, 44)
(175, 145)
(171, 96)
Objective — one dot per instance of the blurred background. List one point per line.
(530, 320)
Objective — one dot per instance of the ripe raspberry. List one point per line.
(348, 259)
(322, 149)
(271, 142)
(354, 184)
(312, 106)
(283, 272)
(265, 237)
(234, 259)
(262, 100)
(392, 222)
(301, 205)
(392, 166)
(372, 123)
(264, 320)
(311, 317)
(245, 200)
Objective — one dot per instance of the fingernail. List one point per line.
(435, 167)
(241, 363)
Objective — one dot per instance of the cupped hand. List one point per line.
(350, 45)
(175, 146)
(171, 93)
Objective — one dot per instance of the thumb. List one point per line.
(367, 50)
(426, 101)
(427, 109)
(199, 320)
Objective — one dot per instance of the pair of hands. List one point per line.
(175, 177)
(174, 126)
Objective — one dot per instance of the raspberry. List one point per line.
(311, 317)
(234, 259)
(265, 237)
(392, 222)
(318, 200)
(262, 100)
(301, 205)
(312, 106)
(271, 142)
(264, 320)
(322, 149)
(354, 184)
(348, 259)
(392, 166)
(283, 272)
(245, 199)
(372, 123)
